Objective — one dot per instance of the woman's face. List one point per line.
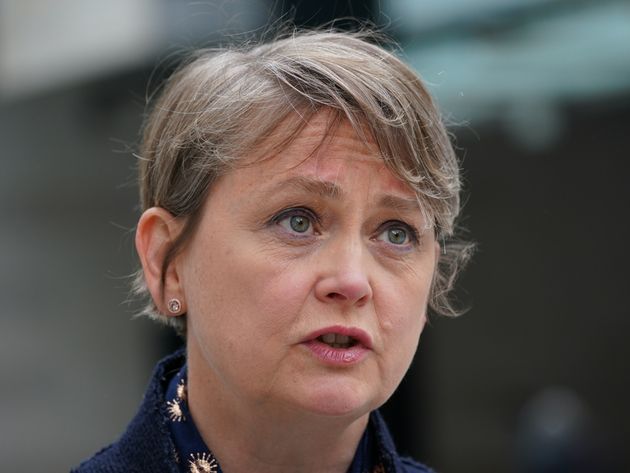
(307, 280)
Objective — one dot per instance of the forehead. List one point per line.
(334, 154)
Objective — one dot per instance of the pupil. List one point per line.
(299, 224)
(397, 236)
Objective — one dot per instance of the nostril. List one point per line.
(344, 289)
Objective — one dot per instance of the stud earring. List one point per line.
(174, 306)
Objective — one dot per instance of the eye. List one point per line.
(397, 236)
(397, 233)
(298, 221)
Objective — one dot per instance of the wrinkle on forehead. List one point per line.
(312, 136)
(323, 158)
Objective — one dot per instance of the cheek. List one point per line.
(405, 301)
(281, 293)
(241, 292)
(401, 349)
(402, 319)
(403, 336)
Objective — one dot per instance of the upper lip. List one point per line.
(358, 334)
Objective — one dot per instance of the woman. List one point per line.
(298, 197)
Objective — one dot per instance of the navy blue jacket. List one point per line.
(146, 445)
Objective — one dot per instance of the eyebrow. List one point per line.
(330, 190)
(401, 204)
(324, 189)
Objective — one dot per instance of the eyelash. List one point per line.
(412, 233)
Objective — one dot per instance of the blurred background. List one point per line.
(533, 378)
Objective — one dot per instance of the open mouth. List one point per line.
(338, 345)
(336, 340)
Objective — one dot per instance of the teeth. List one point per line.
(336, 340)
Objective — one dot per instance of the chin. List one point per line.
(336, 399)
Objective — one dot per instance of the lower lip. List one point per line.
(336, 356)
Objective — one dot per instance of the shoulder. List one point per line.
(108, 460)
(146, 445)
(387, 450)
(143, 448)
(411, 466)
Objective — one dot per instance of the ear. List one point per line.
(156, 232)
(438, 250)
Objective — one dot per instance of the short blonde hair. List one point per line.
(221, 103)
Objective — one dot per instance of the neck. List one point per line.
(245, 436)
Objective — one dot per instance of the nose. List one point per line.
(344, 279)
